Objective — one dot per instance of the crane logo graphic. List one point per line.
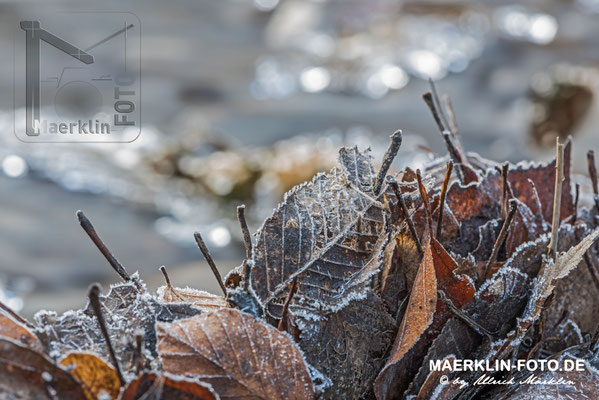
(77, 78)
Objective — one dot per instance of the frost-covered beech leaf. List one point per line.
(417, 318)
(12, 329)
(150, 386)
(127, 311)
(198, 298)
(348, 347)
(551, 273)
(26, 374)
(94, 374)
(324, 233)
(238, 355)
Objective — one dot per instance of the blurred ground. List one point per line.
(198, 61)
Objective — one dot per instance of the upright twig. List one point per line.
(283, 322)
(247, 240)
(443, 196)
(557, 199)
(501, 237)
(430, 102)
(425, 203)
(576, 199)
(166, 278)
(245, 231)
(93, 235)
(210, 261)
(94, 301)
(504, 198)
(593, 175)
(388, 158)
(404, 209)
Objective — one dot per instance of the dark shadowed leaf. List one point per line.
(26, 374)
(150, 386)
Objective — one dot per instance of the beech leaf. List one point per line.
(238, 355)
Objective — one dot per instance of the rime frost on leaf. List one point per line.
(126, 311)
(238, 355)
(324, 233)
(198, 298)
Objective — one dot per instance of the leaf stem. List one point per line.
(593, 175)
(283, 325)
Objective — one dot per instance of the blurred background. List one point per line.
(241, 100)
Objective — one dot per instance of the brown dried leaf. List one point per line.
(12, 329)
(417, 318)
(240, 356)
(94, 374)
(150, 386)
(26, 374)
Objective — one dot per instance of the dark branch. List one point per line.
(210, 261)
(443, 196)
(404, 209)
(93, 235)
(283, 322)
(94, 301)
(501, 238)
(593, 175)
(387, 160)
(245, 231)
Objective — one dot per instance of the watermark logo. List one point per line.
(77, 78)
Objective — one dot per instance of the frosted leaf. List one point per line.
(125, 310)
(238, 355)
(324, 233)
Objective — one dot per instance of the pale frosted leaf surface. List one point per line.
(324, 233)
(198, 298)
(238, 355)
(126, 311)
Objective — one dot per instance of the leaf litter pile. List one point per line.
(356, 282)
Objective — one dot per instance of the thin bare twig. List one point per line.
(283, 326)
(443, 196)
(388, 158)
(504, 198)
(501, 237)
(404, 209)
(557, 199)
(93, 235)
(245, 231)
(593, 175)
(210, 261)
(94, 301)
(425, 202)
